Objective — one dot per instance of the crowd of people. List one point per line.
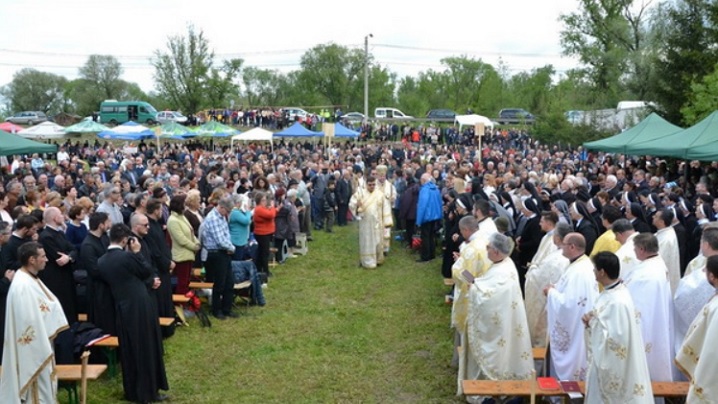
(527, 232)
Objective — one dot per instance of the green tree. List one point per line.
(382, 84)
(608, 37)
(221, 87)
(186, 76)
(102, 74)
(409, 97)
(33, 90)
(688, 30)
(532, 90)
(465, 79)
(702, 100)
(330, 71)
(261, 86)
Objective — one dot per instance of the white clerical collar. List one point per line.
(114, 247)
(53, 228)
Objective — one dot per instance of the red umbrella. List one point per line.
(10, 127)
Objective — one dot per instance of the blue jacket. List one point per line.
(429, 206)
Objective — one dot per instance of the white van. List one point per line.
(390, 113)
(623, 105)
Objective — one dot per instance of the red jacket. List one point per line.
(264, 220)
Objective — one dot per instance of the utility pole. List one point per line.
(366, 76)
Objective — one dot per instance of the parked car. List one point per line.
(295, 113)
(445, 114)
(171, 116)
(353, 117)
(515, 115)
(27, 118)
(390, 113)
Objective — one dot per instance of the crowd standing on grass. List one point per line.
(511, 218)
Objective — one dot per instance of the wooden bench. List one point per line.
(499, 388)
(164, 321)
(539, 353)
(73, 374)
(108, 346)
(237, 286)
(179, 299)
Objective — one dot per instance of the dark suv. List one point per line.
(443, 114)
(515, 115)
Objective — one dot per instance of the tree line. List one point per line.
(629, 50)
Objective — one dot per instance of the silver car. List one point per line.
(27, 118)
(171, 116)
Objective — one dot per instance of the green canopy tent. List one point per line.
(12, 145)
(215, 129)
(699, 142)
(86, 126)
(650, 129)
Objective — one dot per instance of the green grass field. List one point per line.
(331, 333)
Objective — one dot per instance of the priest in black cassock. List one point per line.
(61, 256)
(162, 258)
(100, 304)
(143, 368)
(140, 226)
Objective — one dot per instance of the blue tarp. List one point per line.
(298, 130)
(342, 131)
(127, 131)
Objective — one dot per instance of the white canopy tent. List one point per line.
(45, 130)
(471, 120)
(254, 135)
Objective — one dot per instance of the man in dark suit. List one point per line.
(129, 174)
(25, 229)
(61, 254)
(143, 368)
(343, 193)
(100, 305)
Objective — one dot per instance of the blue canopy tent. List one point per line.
(342, 131)
(127, 131)
(298, 130)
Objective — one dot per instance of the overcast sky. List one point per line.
(409, 37)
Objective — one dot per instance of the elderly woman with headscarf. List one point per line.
(560, 208)
(584, 224)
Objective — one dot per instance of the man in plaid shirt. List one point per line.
(215, 239)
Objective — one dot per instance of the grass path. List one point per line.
(331, 333)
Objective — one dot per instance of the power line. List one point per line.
(291, 51)
(473, 52)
